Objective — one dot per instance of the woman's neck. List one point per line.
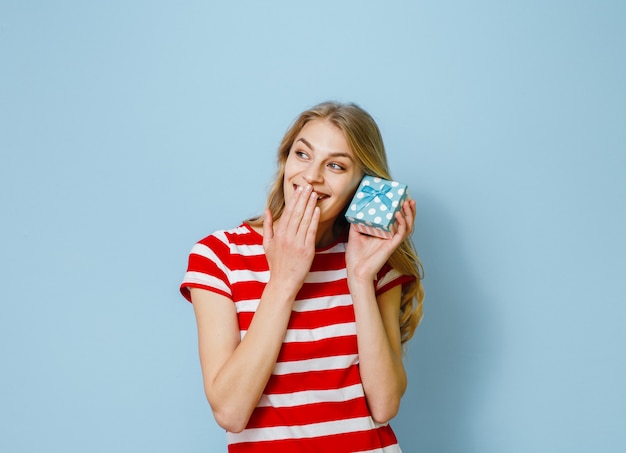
(326, 235)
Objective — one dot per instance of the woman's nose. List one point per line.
(313, 175)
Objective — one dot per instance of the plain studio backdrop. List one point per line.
(130, 130)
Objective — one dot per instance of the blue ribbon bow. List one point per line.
(371, 193)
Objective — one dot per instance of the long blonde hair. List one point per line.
(365, 140)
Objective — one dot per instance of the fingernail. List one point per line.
(309, 187)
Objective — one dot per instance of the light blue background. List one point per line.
(129, 130)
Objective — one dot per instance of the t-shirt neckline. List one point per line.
(337, 241)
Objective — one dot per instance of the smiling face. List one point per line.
(320, 156)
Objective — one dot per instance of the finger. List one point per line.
(409, 214)
(400, 223)
(413, 211)
(268, 227)
(287, 213)
(289, 206)
(405, 218)
(298, 208)
(309, 210)
(311, 234)
(399, 236)
(411, 206)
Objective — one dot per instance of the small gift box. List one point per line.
(373, 208)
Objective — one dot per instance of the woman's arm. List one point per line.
(378, 318)
(235, 372)
(380, 351)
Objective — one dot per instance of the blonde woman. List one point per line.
(301, 319)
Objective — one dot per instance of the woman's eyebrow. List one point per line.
(338, 154)
(305, 142)
(346, 155)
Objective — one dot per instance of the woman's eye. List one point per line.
(301, 154)
(336, 166)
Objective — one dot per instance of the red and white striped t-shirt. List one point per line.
(314, 400)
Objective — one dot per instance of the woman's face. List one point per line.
(320, 156)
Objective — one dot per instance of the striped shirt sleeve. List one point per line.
(388, 278)
(207, 267)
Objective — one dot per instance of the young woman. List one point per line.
(301, 319)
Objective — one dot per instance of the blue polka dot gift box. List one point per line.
(374, 206)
